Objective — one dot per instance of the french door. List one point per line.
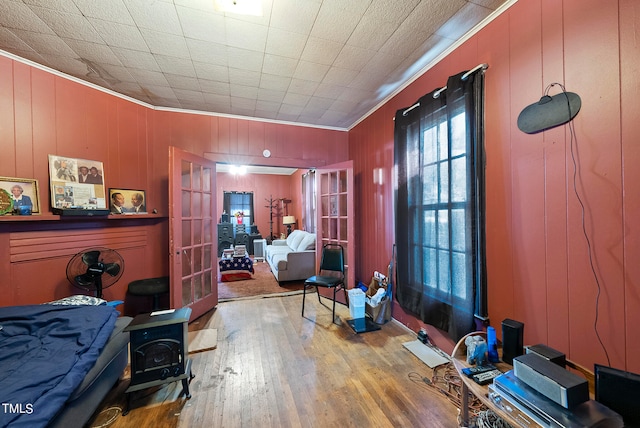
(193, 267)
(334, 214)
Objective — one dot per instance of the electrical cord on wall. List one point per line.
(573, 139)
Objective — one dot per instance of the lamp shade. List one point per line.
(288, 219)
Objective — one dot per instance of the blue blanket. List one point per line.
(45, 353)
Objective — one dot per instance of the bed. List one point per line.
(58, 362)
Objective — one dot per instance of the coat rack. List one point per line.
(273, 205)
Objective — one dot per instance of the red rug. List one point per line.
(263, 283)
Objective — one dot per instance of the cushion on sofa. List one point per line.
(294, 238)
(308, 242)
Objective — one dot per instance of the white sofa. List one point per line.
(293, 258)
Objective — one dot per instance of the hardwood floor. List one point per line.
(273, 368)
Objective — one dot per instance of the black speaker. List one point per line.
(512, 340)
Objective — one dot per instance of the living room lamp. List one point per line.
(288, 220)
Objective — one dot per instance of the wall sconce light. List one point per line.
(238, 170)
(288, 220)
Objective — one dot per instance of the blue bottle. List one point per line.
(492, 345)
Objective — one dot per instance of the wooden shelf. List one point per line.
(55, 217)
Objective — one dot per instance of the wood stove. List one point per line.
(159, 350)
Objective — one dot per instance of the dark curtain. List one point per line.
(439, 195)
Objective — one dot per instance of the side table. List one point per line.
(159, 351)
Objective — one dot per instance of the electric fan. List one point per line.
(95, 269)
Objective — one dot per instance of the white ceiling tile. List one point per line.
(182, 82)
(268, 106)
(321, 51)
(177, 66)
(320, 62)
(17, 15)
(165, 44)
(200, 25)
(148, 78)
(282, 66)
(215, 87)
(245, 35)
(68, 25)
(245, 59)
(244, 91)
(339, 76)
(296, 99)
(334, 23)
(371, 34)
(285, 43)
(212, 53)
(311, 71)
(211, 72)
(119, 35)
(243, 103)
(391, 11)
(244, 77)
(326, 90)
(110, 11)
(294, 15)
(217, 99)
(304, 87)
(136, 59)
(270, 95)
(93, 51)
(46, 43)
(155, 15)
(290, 109)
(65, 6)
(275, 82)
(185, 94)
(353, 58)
(462, 21)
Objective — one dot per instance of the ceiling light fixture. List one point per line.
(238, 170)
(239, 7)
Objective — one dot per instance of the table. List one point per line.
(459, 359)
(235, 268)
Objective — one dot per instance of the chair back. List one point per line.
(332, 258)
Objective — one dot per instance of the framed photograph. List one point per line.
(16, 193)
(76, 183)
(127, 201)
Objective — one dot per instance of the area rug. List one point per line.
(203, 340)
(263, 284)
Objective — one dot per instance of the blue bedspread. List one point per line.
(45, 352)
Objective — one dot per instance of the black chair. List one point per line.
(330, 275)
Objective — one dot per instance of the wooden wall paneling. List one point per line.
(23, 121)
(598, 154)
(630, 93)
(115, 175)
(7, 117)
(493, 48)
(242, 138)
(143, 155)
(44, 125)
(256, 138)
(71, 127)
(224, 136)
(556, 159)
(527, 176)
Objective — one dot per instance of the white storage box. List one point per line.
(356, 303)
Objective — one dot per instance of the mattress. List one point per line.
(45, 353)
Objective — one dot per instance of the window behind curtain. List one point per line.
(234, 202)
(309, 198)
(439, 207)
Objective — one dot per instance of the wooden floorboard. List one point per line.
(274, 368)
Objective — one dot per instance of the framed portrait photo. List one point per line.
(76, 183)
(127, 201)
(19, 194)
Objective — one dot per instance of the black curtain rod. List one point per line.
(436, 93)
